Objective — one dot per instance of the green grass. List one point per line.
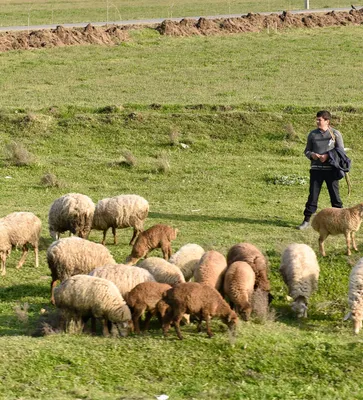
(313, 67)
(218, 192)
(65, 11)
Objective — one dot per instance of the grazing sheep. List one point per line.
(211, 269)
(19, 229)
(335, 221)
(202, 301)
(125, 277)
(162, 270)
(72, 212)
(128, 210)
(82, 297)
(355, 296)
(300, 272)
(239, 283)
(187, 259)
(71, 256)
(144, 298)
(253, 256)
(158, 236)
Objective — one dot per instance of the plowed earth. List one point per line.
(110, 35)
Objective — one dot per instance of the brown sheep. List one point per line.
(144, 297)
(239, 283)
(158, 236)
(211, 269)
(252, 255)
(202, 301)
(335, 221)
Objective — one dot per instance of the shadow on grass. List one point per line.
(17, 292)
(241, 220)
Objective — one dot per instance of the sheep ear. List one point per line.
(347, 316)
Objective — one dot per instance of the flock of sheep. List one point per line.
(93, 286)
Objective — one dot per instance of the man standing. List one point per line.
(319, 142)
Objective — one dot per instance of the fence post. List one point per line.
(307, 5)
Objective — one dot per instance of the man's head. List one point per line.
(323, 118)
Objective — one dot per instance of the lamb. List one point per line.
(125, 277)
(355, 296)
(72, 256)
(199, 300)
(211, 269)
(253, 256)
(19, 229)
(158, 236)
(82, 296)
(300, 272)
(162, 270)
(187, 259)
(335, 221)
(72, 212)
(239, 283)
(128, 210)
(144, 298)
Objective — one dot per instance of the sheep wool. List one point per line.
(187, 259)
(210, 269)
(162, 270)
(125, 277)
(72, 212)
(355, 296)
(300, 272)
(82, 296)
(239, 283)
(72, 256)
(123, 211)
(335, 221)
(253, 256)
(19, 229)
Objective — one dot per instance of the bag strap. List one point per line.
(332, 134)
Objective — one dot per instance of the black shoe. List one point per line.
(304, 225)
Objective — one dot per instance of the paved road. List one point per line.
(156, 21)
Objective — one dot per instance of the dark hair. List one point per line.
(324, 114)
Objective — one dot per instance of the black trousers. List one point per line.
(317, 178)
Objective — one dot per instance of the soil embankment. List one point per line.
(111, 35)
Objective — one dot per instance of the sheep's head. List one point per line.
(231, 320)
(300, 308)
(357, 320)
(131, 260)
(245, 312)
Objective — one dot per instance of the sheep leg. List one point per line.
(167, 318)
(136, 320)
(23, 257)
(36, 251)
(93, 325)
(134, 235)
(322, 238)
(147, 320)
(353, 241)
(104, 236)
(3, 262)
(207, 322)
(165, 248)
(177, 326)
(114, 235)
(347, 238)
(105, 330)
(52, 286)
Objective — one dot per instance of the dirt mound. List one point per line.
(186, 27)
(61, 36)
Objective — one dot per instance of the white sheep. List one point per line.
(239, 282)
(128, 210)
(82, 297)
(211, 269)
(300, 271)
(72, 256)
(187, 258)
(335, 221)
(19, 229)
(125, 277)
(162, 270)
(72, 212)
(355, 296)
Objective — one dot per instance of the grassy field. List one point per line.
(35, 12)
(243, 177)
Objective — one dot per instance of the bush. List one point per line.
(17, 154)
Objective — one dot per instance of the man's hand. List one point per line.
(315, 156)
(323, 157)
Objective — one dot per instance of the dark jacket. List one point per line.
(339, 161)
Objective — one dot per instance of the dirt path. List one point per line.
(23, 40)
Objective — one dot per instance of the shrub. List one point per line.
(50, 180)
(128, 158)
(17, 154)
(174, 135)
(162, 163)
